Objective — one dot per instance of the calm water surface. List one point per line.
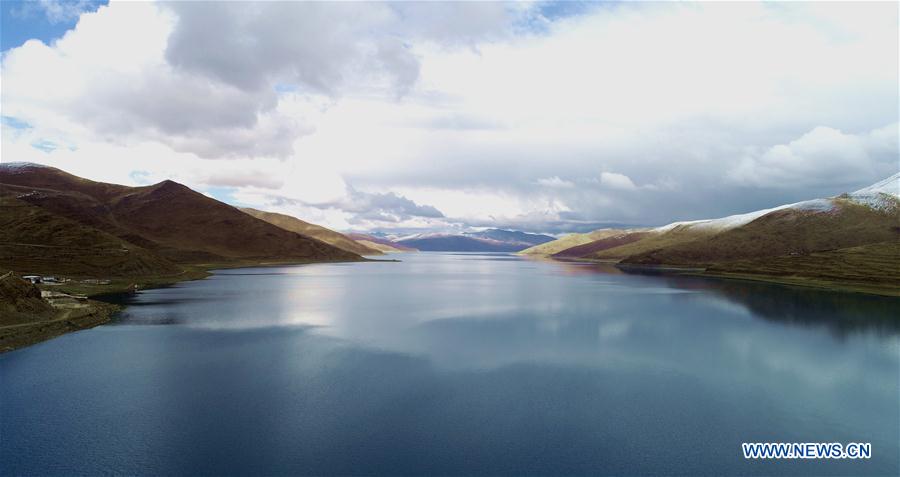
(457, 364)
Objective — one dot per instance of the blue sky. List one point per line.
(22, 21)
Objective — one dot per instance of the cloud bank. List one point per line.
(448, 115)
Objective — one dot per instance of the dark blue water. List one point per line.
(458, 364)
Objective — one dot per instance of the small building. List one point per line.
(35, 279)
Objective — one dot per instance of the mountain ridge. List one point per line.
(302, 227)
(167, 219)
(763, 244)
(489, 240)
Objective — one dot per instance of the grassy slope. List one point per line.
(383, 248)
(33, 240)
(652, 241)
(294, 224)
(569, 241)
(597, 246)
(867, 268)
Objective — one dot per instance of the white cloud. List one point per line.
(615, 180)
(822, 155)
(555, 181)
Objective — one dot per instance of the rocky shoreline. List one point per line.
(30, 315)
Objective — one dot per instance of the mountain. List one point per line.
(491, 240)
(788, 231)
(456, 243)
(512, 237)
(869, 215)
(162, 223)
(380, 243)
(569, 241)
(851, 239)
(329, 236)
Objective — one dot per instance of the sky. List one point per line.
(537, 116)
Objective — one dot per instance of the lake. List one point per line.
(458, 364)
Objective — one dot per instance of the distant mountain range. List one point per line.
(381, 244)
(54, 222)
(490, 240)
(852, 239)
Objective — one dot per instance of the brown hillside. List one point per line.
(33, 240)
(20, 301)
(572, 240)
(600, 245)
(301, 227)
(177, 217)
(652, 241)
(168, 218)
(868, 267)
(786, 232)
(380, 246)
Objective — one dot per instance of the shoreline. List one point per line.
(806, 282)
(701, 272)
(91, 313)
(96, 312)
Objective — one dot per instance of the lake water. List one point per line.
(458, 364)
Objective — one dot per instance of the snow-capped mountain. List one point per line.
(19, 167)
(865, 218)
(490, 240)
(881, 195)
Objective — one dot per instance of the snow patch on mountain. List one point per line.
(418, 236)
(882, 195)
(890, 186)
(16, 167)
(737, 220)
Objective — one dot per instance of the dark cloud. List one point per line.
(678, 174)
(323, 47)
(364, 207)
(249, 44)
(385, 207)
(192, 114)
